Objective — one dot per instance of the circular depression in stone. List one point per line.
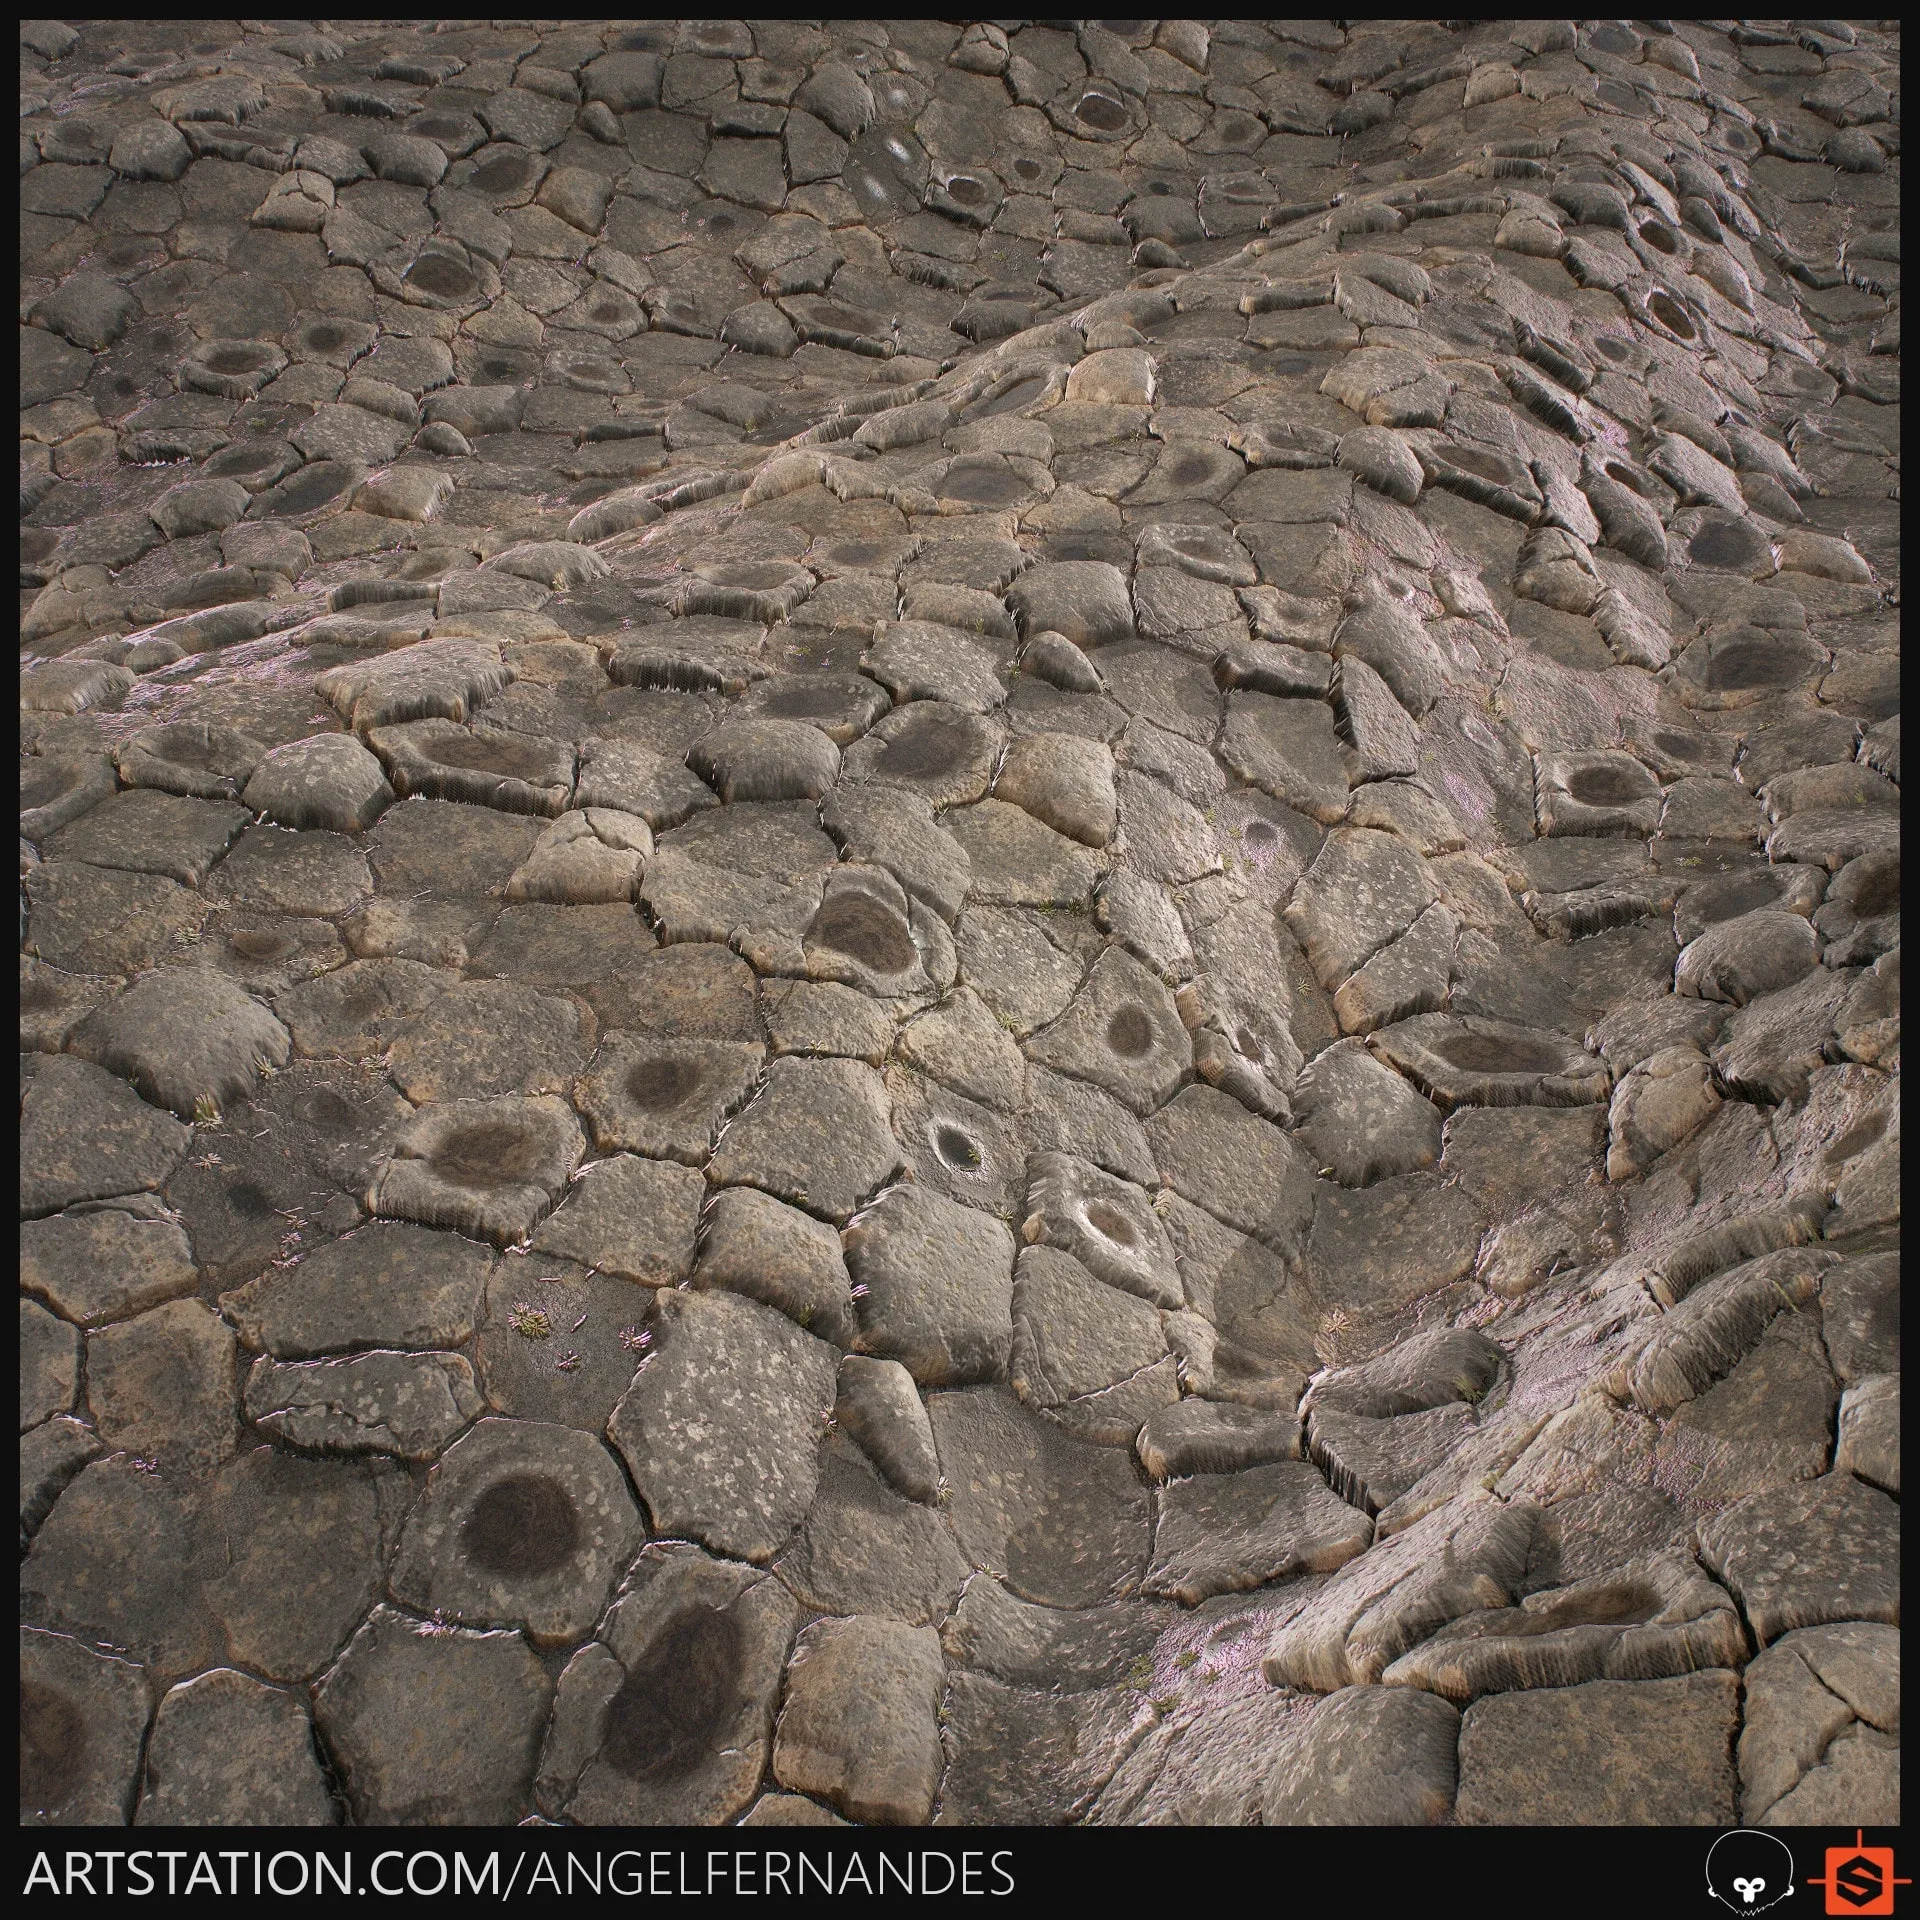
(957, 1149)
(655, 1086)
(1111, 1224)
(862, 928)
(965, 191)
(677, 1697)
(1191, 470)
(325, 1111)
(521, 1527)
(491, 1153)
(1671, 315)
(803, 699)
(240, 358)
(1726, 543)
(929, 746)
(1101, 111)
(436, 274)
(1130, 1033)
(322, 337)
(983, 486)
(1730, 902)
(1659, 236)
(1744, 666)
(249, 1200)
(506, 173)
(260, 945)
(1498, 1053)
(1607, 786)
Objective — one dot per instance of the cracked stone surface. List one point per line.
(973, 922)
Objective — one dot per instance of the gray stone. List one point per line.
(1122, 1031)
(100, 920)
(49, 1365)
(633, 1218)
(666, 1097)
(558, 1343)
(393, 1285)
(816, 1136)
(190, 1041)
(146, 831)
(866, 1550)
(105, 1263)
(1205, 1436)
(934, 1286)
(1807, 1553)
(83, 1715)
(1017, 861)
(1032, 1758)
(960, 1044)
(434, 1725)
(1108, 1225)
(668, 1717)
(273, 871)
(488, 1168)
(1585, 1756)
(1075, 1341)
(1024, 1645)
(128, 1147)
(858, 1728)
(1802, 1692)
(1860, 1315)
(116, 1564)
(888, 826)
(1367, 1757)
(1061, 1522)
(1470, 1060)
(1064, 782)
(1217, 1155)
(296, 1551)
(521, 1525)
(941, 752)
(1362, 1121)
(1646, 1621)
(229, 1751)
(754, 1245)
(1464, 1557)
(880, 1409)
(408, 1404)
(1288, 749)
(1228, 1532)
(1016, 969)
(1869, 1444)
(721, 1428)
(163, 1386)
(1364, 889)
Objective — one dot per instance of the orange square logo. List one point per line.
(1859, 1879)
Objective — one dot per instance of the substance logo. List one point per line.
(1749, 1871)
(1859, 1878)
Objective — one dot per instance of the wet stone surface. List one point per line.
(873, 973)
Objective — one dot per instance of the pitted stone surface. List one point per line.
(1116, 721)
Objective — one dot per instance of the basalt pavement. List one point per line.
(988, 925)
